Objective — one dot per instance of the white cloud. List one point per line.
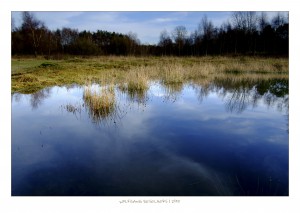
(160, 20)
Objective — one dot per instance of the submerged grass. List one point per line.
(134, 73)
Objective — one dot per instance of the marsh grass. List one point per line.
(136, 84)
(173, 73)
(100, 102)
(27, 78)
(134, 73)
(137, 80)
(259, 66)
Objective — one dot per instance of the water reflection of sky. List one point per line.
(167, 146)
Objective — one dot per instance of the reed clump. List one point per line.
(137, 80)
(100, 101)
(136, 84)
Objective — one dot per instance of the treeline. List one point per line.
(247, 33)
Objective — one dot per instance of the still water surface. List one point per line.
(221, 138)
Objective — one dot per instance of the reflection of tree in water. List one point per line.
(238, 101)
(36, 99)
(274, 90)
(240, 94)
(17, 97)
(172, 90)
(202, 91)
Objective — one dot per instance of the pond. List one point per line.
(218, 138)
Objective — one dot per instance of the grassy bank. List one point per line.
(31, 75)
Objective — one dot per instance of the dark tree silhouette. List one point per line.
(179, 34)
(206, 31)
(247, 33)
(165, 42)
(34, 29)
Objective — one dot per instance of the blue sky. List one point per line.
(147, 25)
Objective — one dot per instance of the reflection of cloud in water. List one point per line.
(205, 179)
(137, 125)
(193, 174)
(277, 139)
(150, 161)
(138, 157)
(172, 91)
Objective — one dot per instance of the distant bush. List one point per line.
(48, 65)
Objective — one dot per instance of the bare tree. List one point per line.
(36, 29)
(251, 21)
(262, 21)
(278, 20)
(205, 27)
(246, 21)
(239, 21)
(68, 36)
(164, 35)
(205, 30)
(134, 42)
(245, 25)
(179, 34)
(13, 25)
(165, 41)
